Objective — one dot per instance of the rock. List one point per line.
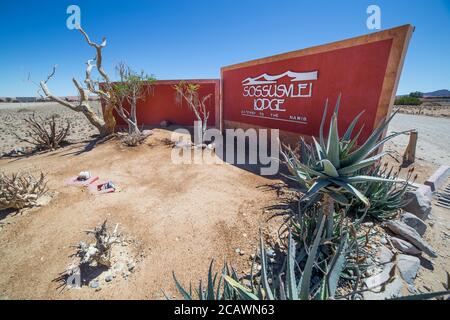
(414, 222)
(147, 133)
(131, 265)
(392, 290)
(211, 146)
(270, 253)
(383, 240)
(384, 255)
(411, 235)
(109, 278)
(404, 246)
(418, 202)
(94, 284)
(237, 250)
(374, 282)
(408, 267)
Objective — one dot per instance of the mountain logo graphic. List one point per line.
(268, 79)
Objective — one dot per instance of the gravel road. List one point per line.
(433, 144)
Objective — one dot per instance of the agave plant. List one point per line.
(290, 282)
(333, 167)
(216, 288)
(386, 198)
(284, 284)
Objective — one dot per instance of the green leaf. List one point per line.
(264, 271)
(329, 169)
(305, 281)
(211, 283)
(333, 143)
(337, 266)
(364, 150)
(183, 292)
(352, 190)
(309, 171)
(348, 133)
(386, 139)
(374, 179)
(319, 150)
(340, 198)
(243, 291)
(360, 165)
(291, 284)
(322, 124)
(319, 184)
(338, 103)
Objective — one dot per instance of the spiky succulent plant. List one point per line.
(333, 167)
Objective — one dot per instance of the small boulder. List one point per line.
(404, 246)
(418, 202)
(411, 235)
(408, 267)
(375, 281)
(384, 255)
(391, 290)
(94, 284)
(414, 222)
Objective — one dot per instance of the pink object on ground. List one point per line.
(73, 181)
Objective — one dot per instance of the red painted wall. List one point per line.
(357, 72)
(162, 103)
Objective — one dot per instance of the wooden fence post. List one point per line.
(410, 153)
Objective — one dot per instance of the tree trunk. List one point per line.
(132, 123)
(95, 120)
(110, 120)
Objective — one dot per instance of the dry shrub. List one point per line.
(135, 139)
(45, 134)
(100, 251)
(21, 190)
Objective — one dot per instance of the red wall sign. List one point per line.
(162, 103)
(289, 91)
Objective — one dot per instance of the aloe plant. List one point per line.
(289, 283)
(216, 288)
(386, 198)
(333, 167)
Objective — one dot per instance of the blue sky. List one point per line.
(193, 39)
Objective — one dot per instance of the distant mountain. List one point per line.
(438, 93)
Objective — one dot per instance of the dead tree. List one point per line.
(103, 89)
(81, 106)
(189, 93)
(100, 251)
(21, 190)
(45, 134)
